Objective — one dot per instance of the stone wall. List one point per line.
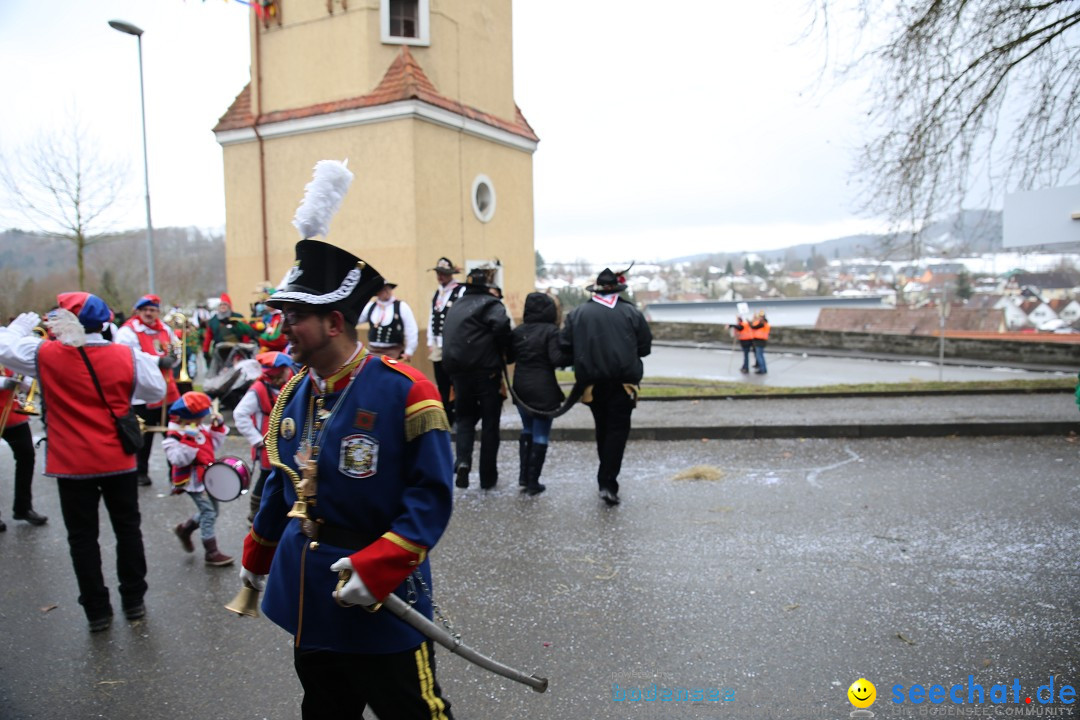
(1006, 351)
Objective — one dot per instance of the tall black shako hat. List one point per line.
(608, 282)
(325, 276)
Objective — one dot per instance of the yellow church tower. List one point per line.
(418, 95)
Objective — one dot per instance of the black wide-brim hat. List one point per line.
(446, 266)
(483, 277)
(328, 278)
(607, 282)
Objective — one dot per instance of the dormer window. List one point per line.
(405, 22)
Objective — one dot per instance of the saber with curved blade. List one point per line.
(406, 612)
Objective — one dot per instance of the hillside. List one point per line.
(965, 233)
(189, 264)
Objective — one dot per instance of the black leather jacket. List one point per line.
(607, 344)
(476, 333)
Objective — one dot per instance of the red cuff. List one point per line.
(385, 563)
(258, 554)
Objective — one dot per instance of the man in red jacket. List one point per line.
(144, 331)
(85, 454)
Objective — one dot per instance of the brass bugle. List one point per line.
(174, 319)
(28, 407)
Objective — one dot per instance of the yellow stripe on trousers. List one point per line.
(427, 683)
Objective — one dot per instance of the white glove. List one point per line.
(25, 323)
(256, 581)
(355, 591)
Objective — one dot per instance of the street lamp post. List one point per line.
(137, 32)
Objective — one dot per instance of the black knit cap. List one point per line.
(327, 277)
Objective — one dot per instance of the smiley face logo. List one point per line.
(862, 693)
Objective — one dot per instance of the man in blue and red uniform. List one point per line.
(144, 331)
(84, 452)
(362, 463)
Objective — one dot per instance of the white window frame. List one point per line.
(488, 213)
(423, 22)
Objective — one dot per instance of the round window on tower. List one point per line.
(483, 198)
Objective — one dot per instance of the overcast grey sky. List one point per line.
(661, 135)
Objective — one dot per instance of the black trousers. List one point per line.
(152, 417)
(21, 440)
(443, 382)
(611, 407)
(79, 505)
(477, 397)
(398, 686)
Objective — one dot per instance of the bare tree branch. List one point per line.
(969, 97)
(63, 187)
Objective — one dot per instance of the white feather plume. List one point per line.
(66, 327)
(322, 198)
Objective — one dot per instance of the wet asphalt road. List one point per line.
(801, 566)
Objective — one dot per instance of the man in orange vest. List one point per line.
(745, 335)
(86, 381)
(760, 327)
(144, 331)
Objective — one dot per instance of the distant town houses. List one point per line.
(982, 298)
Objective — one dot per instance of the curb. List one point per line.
(870, 394)
(775, 432)
(864, 355)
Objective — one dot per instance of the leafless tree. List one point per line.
(961, 89)
(65, 188)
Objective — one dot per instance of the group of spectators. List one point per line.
(604, 339)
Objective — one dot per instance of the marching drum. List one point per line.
(227, 479)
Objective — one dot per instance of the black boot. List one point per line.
(536, 466)
(31, 516)
(461, 476)
(464, 453)
(525, 444)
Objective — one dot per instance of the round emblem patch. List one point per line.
(288, 428)
(359, 456)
